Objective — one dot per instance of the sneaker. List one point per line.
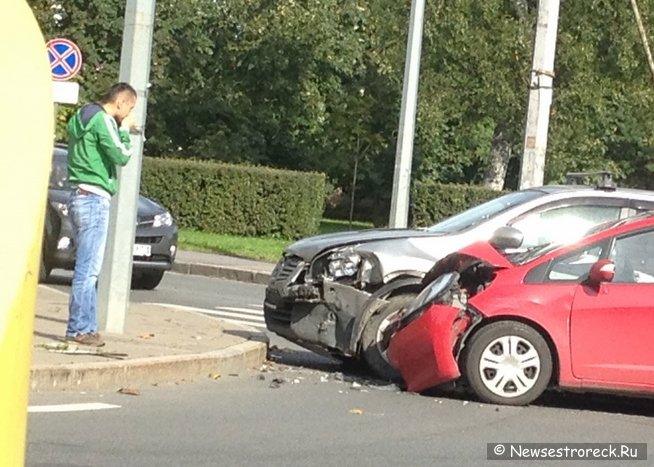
(92, 339)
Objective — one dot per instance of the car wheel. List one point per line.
(147, 280)
(507, 362)
(44, 269)
(373, 346)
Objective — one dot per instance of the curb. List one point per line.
(222, 272)
(148, 371)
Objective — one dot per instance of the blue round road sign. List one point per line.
(65, 58)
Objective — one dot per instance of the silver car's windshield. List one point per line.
(537, 251)
(483, 212)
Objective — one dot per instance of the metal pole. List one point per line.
(115, 279)
(532, 168)
(399, 215)
(643, 36)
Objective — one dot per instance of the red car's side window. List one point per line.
(634, 258)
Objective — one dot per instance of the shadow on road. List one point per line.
(349, 371)
(352, 371)
(607, 403)
(59, 277)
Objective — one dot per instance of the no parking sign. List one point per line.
(65, 58)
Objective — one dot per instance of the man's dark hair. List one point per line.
(114, 91)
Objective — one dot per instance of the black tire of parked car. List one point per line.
(370, 348)
(147, 280)
(471, 358)
(44, 269)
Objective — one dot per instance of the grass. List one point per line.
(259, 248)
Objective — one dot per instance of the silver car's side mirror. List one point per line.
(506, 237)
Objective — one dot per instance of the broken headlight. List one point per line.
(433, 293)
(343, 263)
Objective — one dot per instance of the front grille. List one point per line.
(286, 267)
(155, 258)
(147, 240)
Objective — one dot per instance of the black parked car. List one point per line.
(155, 244)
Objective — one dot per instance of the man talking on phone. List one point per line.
(98, 142)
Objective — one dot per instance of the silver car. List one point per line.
(337, 293)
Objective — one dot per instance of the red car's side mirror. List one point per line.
(602, 271)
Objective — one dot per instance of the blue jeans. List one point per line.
(89, 214)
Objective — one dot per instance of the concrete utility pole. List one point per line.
(643, 36)
(399, 215)
(532, 168)
(115, 278)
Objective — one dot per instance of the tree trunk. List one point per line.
(498, 161)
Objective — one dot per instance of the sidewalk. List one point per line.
(224, 267)
(159, 345)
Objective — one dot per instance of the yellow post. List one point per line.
(26, 133)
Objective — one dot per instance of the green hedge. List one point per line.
(432, 202)
(236, 199)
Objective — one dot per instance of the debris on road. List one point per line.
(356, 411)
(73, 349)
(130, 391)
(276, 382)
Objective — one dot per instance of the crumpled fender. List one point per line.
(424, 353)
(480, 252)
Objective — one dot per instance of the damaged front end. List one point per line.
(319, 304)
(427, 338)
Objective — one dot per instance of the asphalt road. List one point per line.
(307, 410)
(302, 416)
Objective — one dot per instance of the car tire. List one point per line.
(372, 348)
(44, 269)
(507, 362)
(147, 280)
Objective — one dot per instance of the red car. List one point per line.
(577, 317)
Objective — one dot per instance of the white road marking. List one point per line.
(248, 311)
(70, 407)
(251, 317)
(229, 314)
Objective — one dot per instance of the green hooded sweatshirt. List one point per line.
(95, 147)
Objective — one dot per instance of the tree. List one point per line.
(316, 85)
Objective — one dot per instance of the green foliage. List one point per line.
(234, 199)
(476, 58)
(433, 201)
(315, 85)
(334, 225)
(259, 248)
(603, 94)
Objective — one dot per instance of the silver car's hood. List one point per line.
(308, 248)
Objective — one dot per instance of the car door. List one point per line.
(611, 324)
